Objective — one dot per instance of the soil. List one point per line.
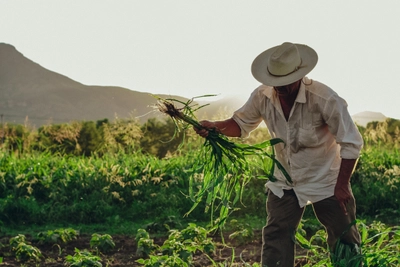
(124, 252)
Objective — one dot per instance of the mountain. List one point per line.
(29, 91)
(363, 118)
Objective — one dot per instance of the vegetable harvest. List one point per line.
(225, 165)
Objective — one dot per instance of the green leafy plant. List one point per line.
(346, 255)
(187, 241)
(23, 250)
(57, 236)
(225, 164)
(242, 232)
(26, 252)
(163, 224)
(145, 245)
(83, 259)
(179, 248)
(163, 261)
(380, 247)
(103, 243)
(376, 183)
(380, 244)
(14, 241)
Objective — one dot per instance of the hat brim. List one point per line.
(259, 68)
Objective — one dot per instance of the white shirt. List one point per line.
(318, 133)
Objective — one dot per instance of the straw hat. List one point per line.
(284, 64)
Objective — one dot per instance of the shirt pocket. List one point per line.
(307, 138)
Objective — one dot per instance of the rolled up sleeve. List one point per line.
(342, 126)
(248, 116)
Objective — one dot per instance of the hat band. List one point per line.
(295, 69)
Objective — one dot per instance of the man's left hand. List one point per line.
(343, 195)
(342, 189)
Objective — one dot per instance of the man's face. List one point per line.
(287, 90)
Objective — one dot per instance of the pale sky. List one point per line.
(191, 48)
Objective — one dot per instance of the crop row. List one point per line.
(45, 188)
(380, 245)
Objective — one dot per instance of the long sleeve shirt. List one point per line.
(318, 133)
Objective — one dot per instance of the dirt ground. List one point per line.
(124, 252)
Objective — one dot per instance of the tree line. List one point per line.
(84, 138)
(155, 137)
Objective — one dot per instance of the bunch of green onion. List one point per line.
(225, 164)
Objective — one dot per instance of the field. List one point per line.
(129, 207)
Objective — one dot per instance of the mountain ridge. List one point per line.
(363, 118)
(31, 92)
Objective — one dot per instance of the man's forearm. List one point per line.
(228, 127)
(346, 170)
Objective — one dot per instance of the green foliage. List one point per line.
(57, 236)
(141, 233)
(14, 241)
(122, 135)
(74, 138)
(346, 255)
(60, 138)
(49, 188)
(225, 166)
(23, 250)
(178, 249)
(158, 138)
(83, 259)
(242, 232)
(103, 243)
(96, 173)
(376, 183)
(380, 247)
(145, 245)
(90, 138)
(386, 132)
(52, 187)
(163, 261)
(17, 138)
(163, 223)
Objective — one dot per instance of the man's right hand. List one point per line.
(227, 127)
(206, 126)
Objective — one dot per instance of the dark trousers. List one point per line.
(284, 215)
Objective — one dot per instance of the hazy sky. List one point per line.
(192, 48)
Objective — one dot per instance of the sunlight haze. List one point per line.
(192, 48)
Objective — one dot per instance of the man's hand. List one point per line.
(227, 127)
(343, 195)
(206, 126)
(342, 189)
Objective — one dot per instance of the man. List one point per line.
(322, 145)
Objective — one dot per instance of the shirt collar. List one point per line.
(301, 96)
